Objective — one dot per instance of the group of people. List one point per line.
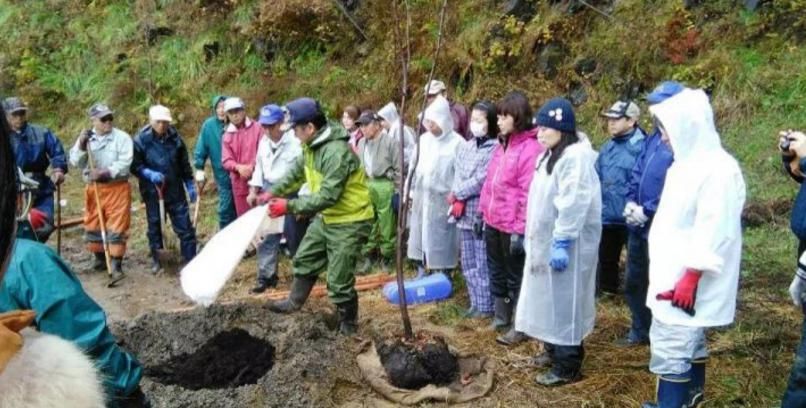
(536, 218)
(540, 220)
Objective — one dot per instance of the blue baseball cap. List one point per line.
(270, 115)
(302, 110)
(664, 91)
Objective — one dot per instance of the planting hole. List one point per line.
(229, 359)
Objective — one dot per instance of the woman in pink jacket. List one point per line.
(503, 206)
(238, 150)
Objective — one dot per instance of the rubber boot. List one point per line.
(366, 266)
(300, 289)
(696, 391)
(348, 317)
(673, 391)
(117, 271)
(512, 336)
(99, 264)
(502, 317)
(156, 266)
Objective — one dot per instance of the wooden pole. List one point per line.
(406, 188)
(98, 208)
(59, 219)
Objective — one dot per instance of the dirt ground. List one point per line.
(314, 367)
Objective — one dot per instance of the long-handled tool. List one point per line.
(59, 219)
(163, 253)
(199, 190)
(104, 240)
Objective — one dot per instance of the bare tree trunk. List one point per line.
(406, 186)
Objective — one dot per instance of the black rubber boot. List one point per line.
(502, 317)
(99, 264)
(512, 336)
(366, 266)
(156, 266)
(300, 289)
(117, 271)
(348, 317)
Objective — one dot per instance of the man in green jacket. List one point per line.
(339, 204)
(208, 145)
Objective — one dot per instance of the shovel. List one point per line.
(162, 253)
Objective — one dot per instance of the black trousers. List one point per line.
(506, 269)
(614, 238)
(566, 361)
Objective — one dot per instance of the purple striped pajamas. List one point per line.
(474, 268)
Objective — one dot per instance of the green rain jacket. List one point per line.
(39, 280)
(208, 145)
(335, 177)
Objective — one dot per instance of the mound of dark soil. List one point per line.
(419, 363)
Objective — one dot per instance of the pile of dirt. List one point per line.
(413, 365)
(237, 355)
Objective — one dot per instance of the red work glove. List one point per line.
(684, 294)
(264, 197)
(458, 209)
(451, 198)
(37, 218)
(278, 207)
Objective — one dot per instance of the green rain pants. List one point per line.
(333, 248)
(384, 228)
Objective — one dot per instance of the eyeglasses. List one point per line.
(107, 119)
(19, 113)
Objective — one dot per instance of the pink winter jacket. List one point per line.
(503, 196)
(239, 146)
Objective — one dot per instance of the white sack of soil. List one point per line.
(204, 277)
(269, 226)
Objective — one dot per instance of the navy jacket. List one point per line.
(614, 165)
(798, 221)
(648, 176)
(36, 148)
(167, 155)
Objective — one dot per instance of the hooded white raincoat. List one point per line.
(389, 113)
(431, 236)
(559, 307)
(698, 222)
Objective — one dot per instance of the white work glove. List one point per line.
(797, 289)
(629, 208)
(200, 177)
(639, 216)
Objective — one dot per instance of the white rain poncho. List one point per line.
(698, 222)
(559, 307)
(430, 234)
(389, 113)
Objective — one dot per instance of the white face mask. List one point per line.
(478, 129)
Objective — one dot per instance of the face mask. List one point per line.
(478, 129)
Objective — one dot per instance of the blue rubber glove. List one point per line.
(153, 176)
(559, 254)
(190, 186)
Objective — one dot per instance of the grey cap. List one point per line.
(623, 109)
(14, 104)
(99, 110)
